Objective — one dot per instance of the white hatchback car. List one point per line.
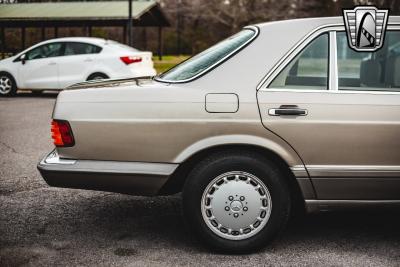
(59, 63)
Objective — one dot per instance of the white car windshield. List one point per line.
(200, 63)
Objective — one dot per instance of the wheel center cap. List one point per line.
(236, 205)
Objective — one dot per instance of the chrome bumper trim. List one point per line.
(137, 178)
(53, 158)
(53, 162)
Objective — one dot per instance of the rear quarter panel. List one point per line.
(157, 123)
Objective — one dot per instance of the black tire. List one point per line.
(8, 86)
(97, 76)
(251, 163)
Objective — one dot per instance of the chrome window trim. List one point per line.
(333, 66)
(297, 48)
(222, 60)
(294, 51)
(296, 90)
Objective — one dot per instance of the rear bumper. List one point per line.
(137, 178)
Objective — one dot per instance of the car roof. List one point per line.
(90, 40)
(274, 41)
(316, 22)
(281, 36)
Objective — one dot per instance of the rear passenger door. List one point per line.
(78, 63)
(340, 110)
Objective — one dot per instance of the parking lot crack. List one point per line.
(10, 148)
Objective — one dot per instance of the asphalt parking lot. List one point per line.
(44, 226)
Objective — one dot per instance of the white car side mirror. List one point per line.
(23, 59)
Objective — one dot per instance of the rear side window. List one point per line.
(308, 70)
(75, 48)
(200, 63)
(372, 71)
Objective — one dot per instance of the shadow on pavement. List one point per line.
(44, 94)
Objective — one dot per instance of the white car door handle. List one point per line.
(52, 63)
(88, 60)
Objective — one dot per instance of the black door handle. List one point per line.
(287, 110)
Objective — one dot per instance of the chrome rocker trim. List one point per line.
(138, 178)
(319, 171)
(315, 205)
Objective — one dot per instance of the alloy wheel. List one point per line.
(236, 205)
(5, 85)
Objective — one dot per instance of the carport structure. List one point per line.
(80, 14)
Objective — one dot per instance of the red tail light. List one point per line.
(61, 133)
(131, 59)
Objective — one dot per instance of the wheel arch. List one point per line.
(176, 181)
(93, 73)
(282, 150)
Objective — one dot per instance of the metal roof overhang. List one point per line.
(69, 14)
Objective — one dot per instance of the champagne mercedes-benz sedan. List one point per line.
(279, 116)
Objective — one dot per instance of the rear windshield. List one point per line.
(200, 63)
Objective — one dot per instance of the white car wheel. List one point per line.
(97, 76)
(7, 85)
